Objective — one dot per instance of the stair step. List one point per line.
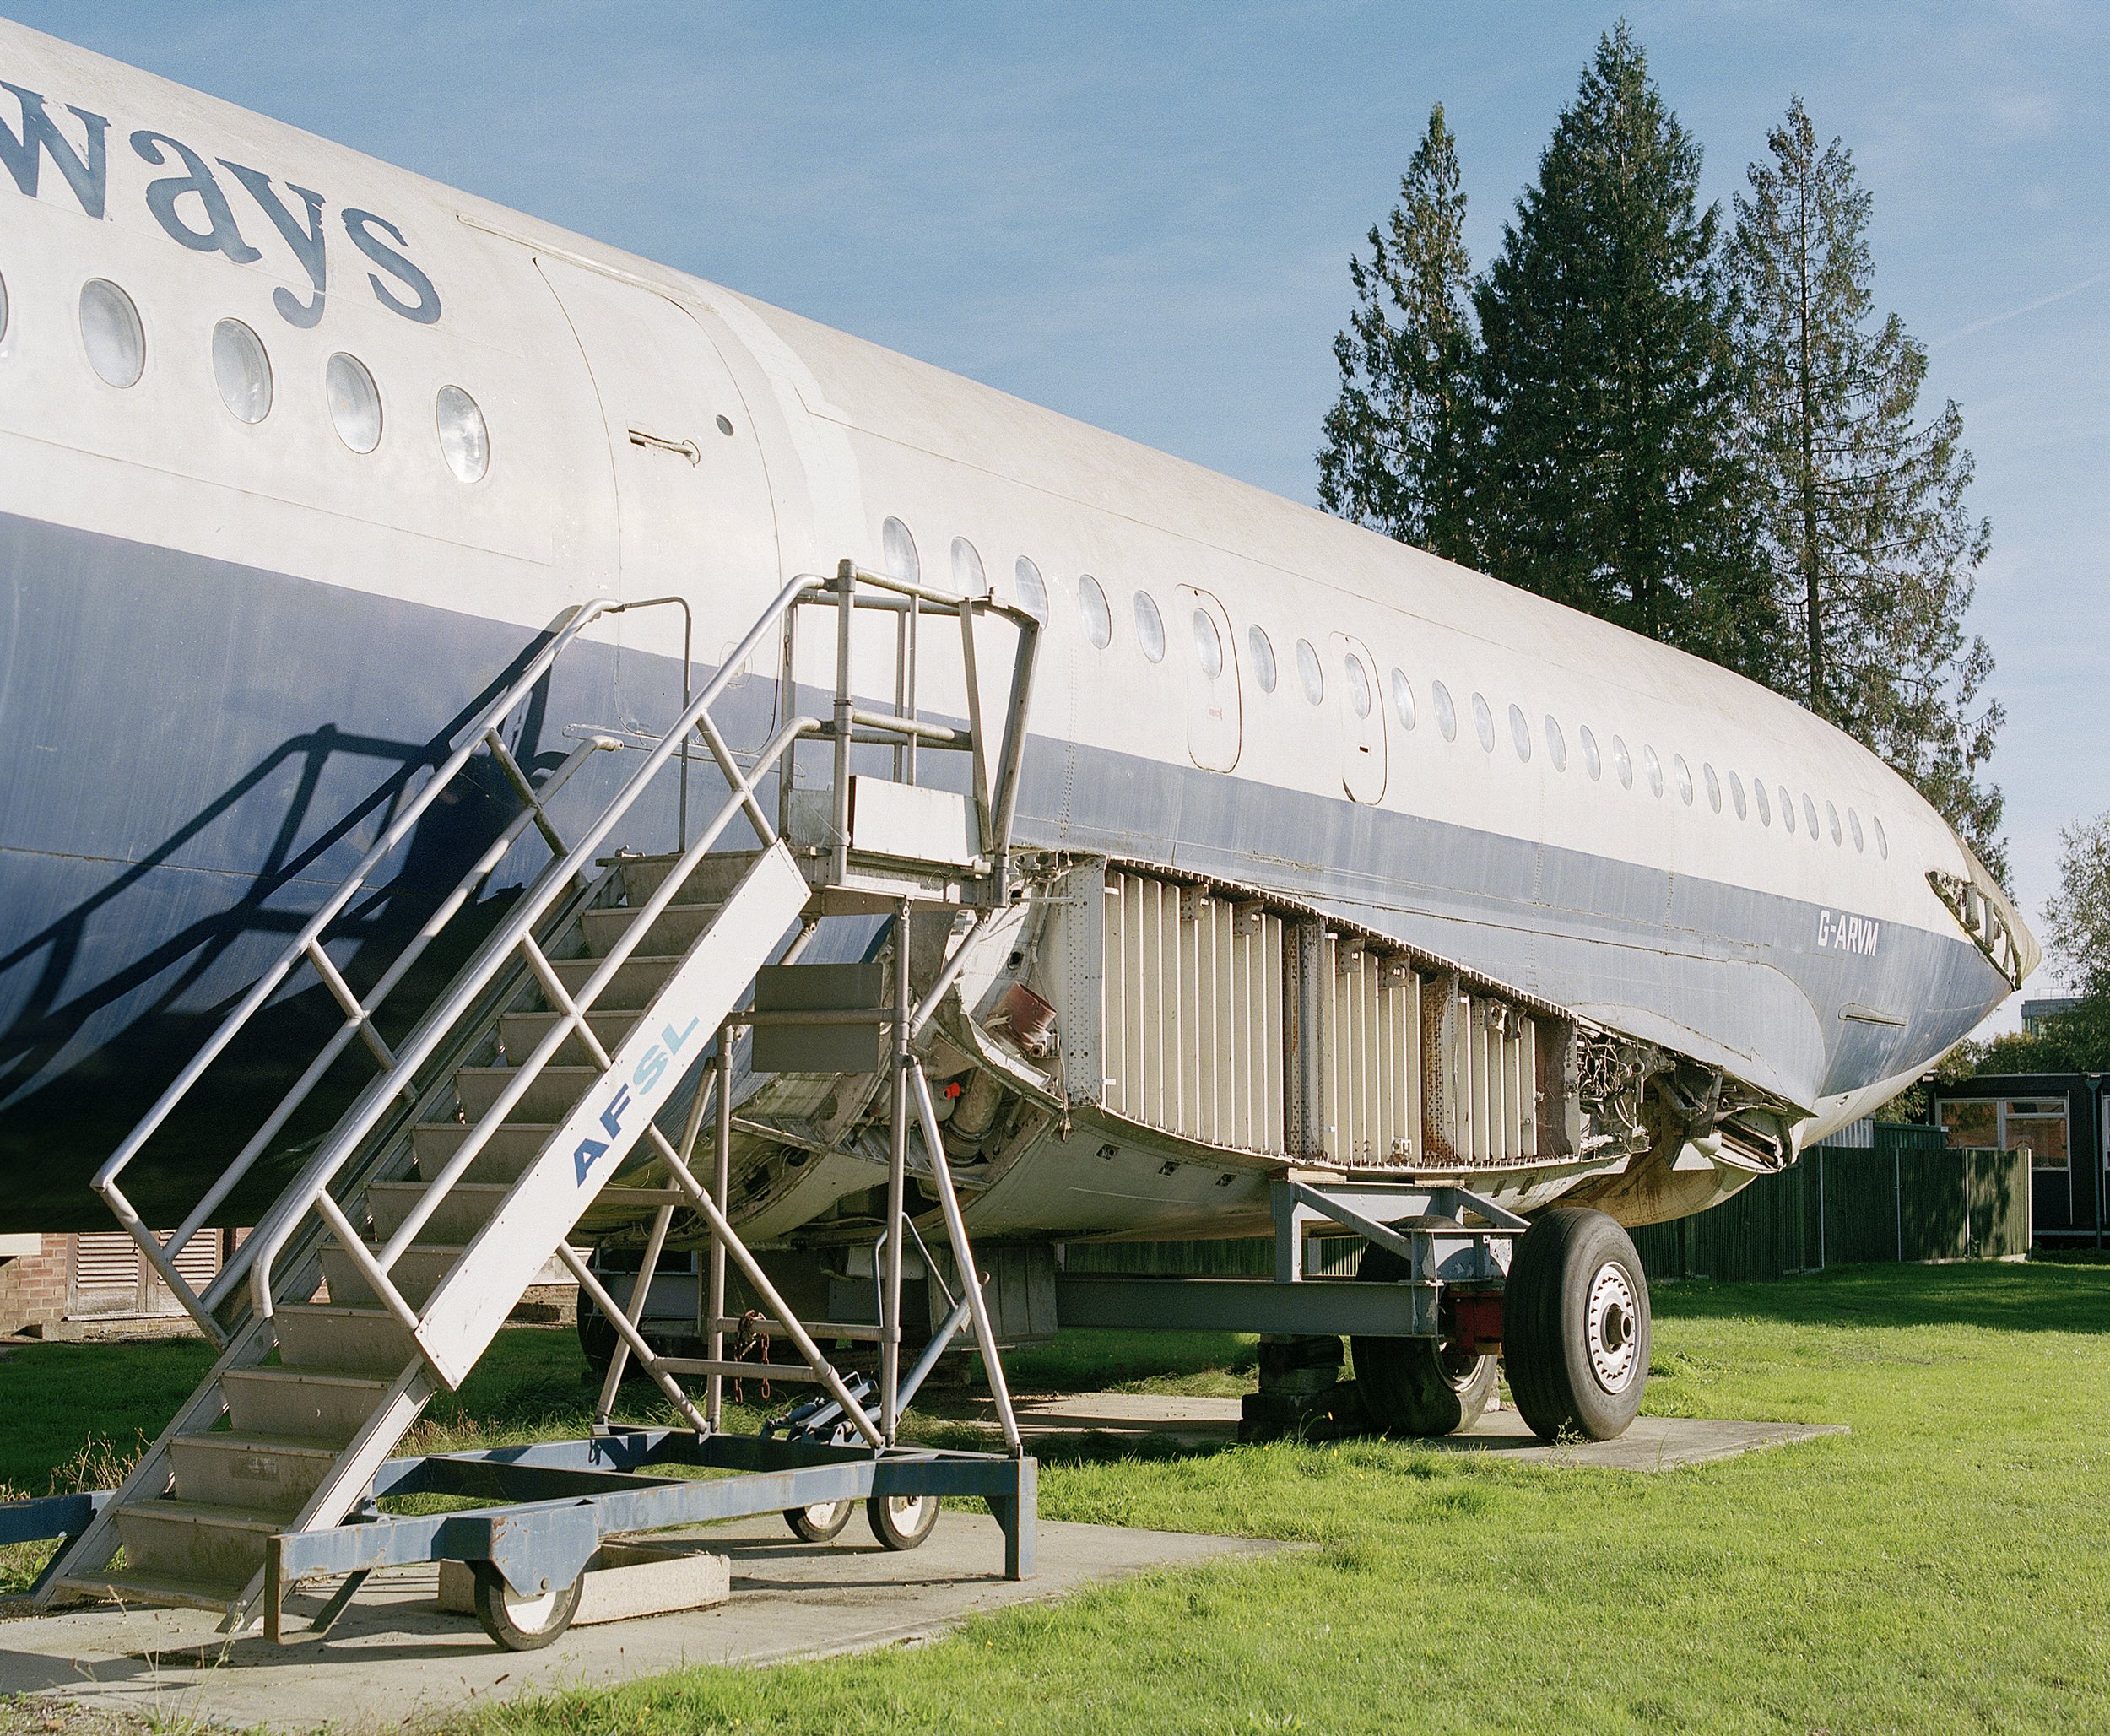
(710, 881)
(549, 1096)
(271, 1473)
(674, 930)
(193, 1542)
(466, 1209)
(637, 979)
(299, 1403)
(417, 1273)
(505, 1156)
(520, 1032)
(333, 1338)
(138, 1588)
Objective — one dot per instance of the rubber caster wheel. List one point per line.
(1417, 1386)
(518, 1622)
(1576, 1326)
(901, 1522)
(821, 1523)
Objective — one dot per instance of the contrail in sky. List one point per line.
(2015, 313)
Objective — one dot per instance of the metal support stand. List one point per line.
(896, 1189)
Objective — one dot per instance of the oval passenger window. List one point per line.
(1483, 724)
(1358, 685)
(1032, 589)
(1736, 793)
(3, 309)
(111, 332)
(1091, 606)
(1556, 744)
(1655, 768)
(1446, 712)
(1403, 699)
(1208, 645)
(1262, 649)
(354, 402)
(1853, 820)
(465, 442)
(968, 579)
(1307, 669)
(1149, 627)
(1765, 806)
(242, 370)
(1623, 764)
(1591, 762)
(897, 553)
(1684, 773)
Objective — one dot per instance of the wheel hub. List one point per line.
(531, 1613)
(1614, 1328)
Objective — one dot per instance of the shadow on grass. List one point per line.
(1092, 1359)
(2060, 1295)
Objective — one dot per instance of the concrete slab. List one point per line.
(395, 1657)
(1652, 1444)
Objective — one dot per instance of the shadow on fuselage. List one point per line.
(130, 979)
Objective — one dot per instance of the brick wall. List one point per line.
(33, 1286)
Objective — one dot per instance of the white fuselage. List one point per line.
(1644, 889)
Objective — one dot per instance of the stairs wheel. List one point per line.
(901, 1522)
(1418, 1387)
(518, 1622)
(822, 1522)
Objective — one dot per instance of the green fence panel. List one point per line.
(1999, 1183)
(1859, 1191)
(1662, 1250)
(1933, 1205)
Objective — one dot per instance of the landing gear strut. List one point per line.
(1576, 1326)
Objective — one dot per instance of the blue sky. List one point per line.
(1141, 214)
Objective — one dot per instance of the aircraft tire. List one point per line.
(1576, 1326)
(597, 1337)
(1417, 1386)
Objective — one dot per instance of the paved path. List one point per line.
(1652, 1444)
(395, 1656)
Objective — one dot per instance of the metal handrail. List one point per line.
(304, 946)
(515, 935)
(995, 810)
(481, 731)
(515, 941)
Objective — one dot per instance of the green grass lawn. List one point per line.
(1941, 1568)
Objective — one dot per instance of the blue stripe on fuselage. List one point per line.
(196, 752)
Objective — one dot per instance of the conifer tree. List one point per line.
(1612, 477)
(1398, 451)
(1870, 550)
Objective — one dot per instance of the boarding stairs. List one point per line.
(553, 1060)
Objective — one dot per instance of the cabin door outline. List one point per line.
(1364, 755)
(1215, 710)
(694, 514)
